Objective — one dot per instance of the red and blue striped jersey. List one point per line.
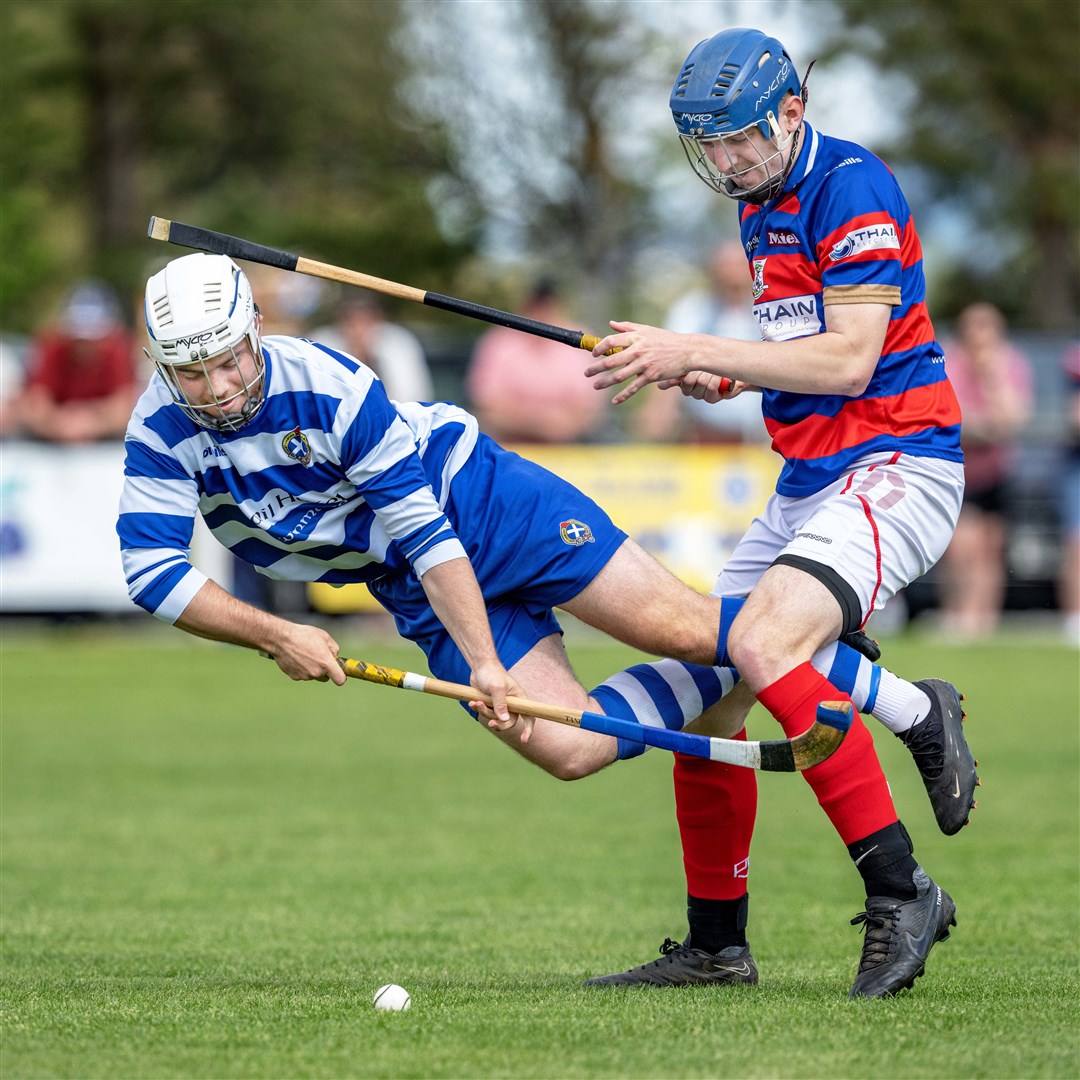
(841, 232)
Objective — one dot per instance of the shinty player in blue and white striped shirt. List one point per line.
(301, 466)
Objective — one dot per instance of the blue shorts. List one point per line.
(535, 542)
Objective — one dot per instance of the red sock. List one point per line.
(849, 784)
(716, 806)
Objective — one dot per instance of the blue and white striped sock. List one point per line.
(893, 701)
(670, 693)
(851, 673)
(662, 693)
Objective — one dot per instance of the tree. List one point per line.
(275, 120)
(995, 128)
(543, 103)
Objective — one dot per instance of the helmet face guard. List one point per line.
(726, 102)
(200, 308)
(740, 166)
(211, 411)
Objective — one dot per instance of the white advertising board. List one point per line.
(58, 545)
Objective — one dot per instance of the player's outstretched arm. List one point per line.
(840, 360)
(455, 597)
(303, 652)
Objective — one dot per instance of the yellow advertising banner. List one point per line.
(686, 505)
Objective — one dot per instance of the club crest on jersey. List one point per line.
(295, 444)
(575, 533)
(759, 278)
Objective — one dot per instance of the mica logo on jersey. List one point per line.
(870, 238)
(295, 444)
(782, 239)
(575, 533)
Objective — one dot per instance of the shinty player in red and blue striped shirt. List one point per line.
(856, 399)
(816, 248)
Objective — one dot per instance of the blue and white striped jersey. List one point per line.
(330, 481)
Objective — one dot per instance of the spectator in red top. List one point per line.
(81, 381)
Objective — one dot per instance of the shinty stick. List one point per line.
(216, 243)
(783, 755)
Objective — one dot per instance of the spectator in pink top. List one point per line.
(992, 381)
(529, 389)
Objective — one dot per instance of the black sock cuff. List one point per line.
(886, 861)
(717, 924)
(882, 848)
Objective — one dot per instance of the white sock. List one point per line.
(897, 704)
(900, 704)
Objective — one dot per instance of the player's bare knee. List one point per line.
(576, 769)
(570, 770)
(567, 753)
(585, 758)
(752, 651)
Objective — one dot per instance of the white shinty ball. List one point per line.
(393, 998)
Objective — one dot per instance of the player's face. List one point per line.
(222, 386)
(746, 157)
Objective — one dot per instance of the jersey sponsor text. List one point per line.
(870, 238)
(783, 319)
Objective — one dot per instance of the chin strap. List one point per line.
(772, 191)
(805, 93)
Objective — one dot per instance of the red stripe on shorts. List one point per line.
(874, 529)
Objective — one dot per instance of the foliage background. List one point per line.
(463, 146)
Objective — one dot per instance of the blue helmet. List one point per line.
(730, 82)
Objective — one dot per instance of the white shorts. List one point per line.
(865, 536)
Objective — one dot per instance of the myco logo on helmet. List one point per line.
(775, 85)
(198, 339)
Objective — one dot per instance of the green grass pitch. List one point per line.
(207, 870)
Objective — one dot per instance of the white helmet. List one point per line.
(198, 307)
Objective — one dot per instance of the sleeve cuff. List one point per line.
(440, 553)
(172, 607)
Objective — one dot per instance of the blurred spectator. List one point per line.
(13, 353)
(992, 381)
(1069, 580)
(361, 329)
(81, 380)
(528, 389)
(286, 300)
(724, 309)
